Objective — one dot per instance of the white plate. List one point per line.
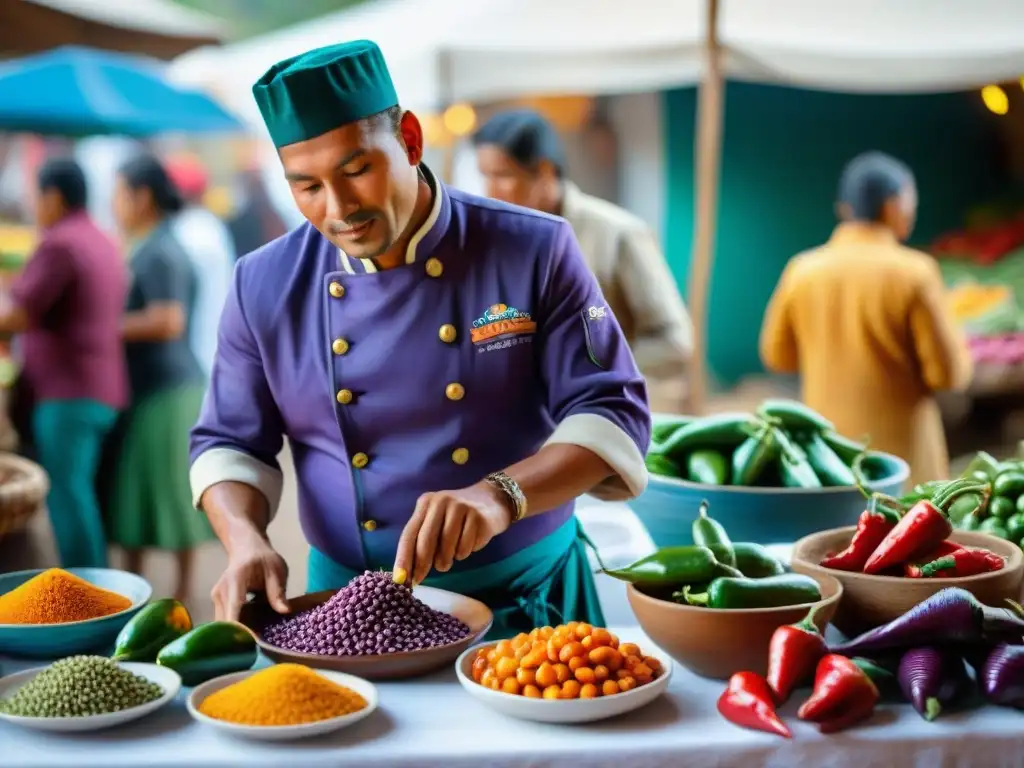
(166, 678)
(555, 711)
(364, 688)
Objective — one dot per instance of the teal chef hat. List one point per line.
(320, 90)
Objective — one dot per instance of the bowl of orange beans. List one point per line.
(571, 673)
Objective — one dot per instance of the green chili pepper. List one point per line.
(662, 431)
(994, 527)
(661, 465)
(756, 562)
(707, 466)
(923, 491)
(770, 592)
(793, 465)
(710, 533)
(983, 463)
(962, 507)
(673, 567)
(845, 449)
(830, 469)
(753, 456)
(1009, 483)
(1015, 527)
(723, 430)
(1002, 507)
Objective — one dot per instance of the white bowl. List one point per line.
(364, 688)
(166, 678)
(557, 711)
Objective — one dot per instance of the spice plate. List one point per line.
(558, 711)
(364, 688)
(167, 679)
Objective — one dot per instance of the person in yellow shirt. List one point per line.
(863, 320)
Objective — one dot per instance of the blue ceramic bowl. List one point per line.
(762, 515)
(54, 641)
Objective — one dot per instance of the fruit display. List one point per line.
(570, 661)
(910, 536)
(716, 573)
(783, 444)
(371, 615)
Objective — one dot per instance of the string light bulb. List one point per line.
(995, 99)
(459, 119)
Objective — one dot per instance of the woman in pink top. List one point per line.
(68, 303)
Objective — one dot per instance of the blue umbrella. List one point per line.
(73, 91)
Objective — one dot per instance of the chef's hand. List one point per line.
(253, 566)
(448, 526)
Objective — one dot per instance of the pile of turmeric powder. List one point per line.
(58, 597)
(285, 694)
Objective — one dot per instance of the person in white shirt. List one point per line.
(207, 241)
(521, 157)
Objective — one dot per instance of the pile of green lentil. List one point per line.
(80, 686)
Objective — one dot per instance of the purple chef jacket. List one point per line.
(492, 340)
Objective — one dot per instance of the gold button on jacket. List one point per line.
(460, 455)
(447, 333)
(370, 525)
(360, 460)
(344, 396)
(454, 391)
(434, 267)
(339, 346)
(337, 290)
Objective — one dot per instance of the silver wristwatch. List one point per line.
(510, 488)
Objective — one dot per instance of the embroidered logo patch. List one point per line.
(596, 313)
(500, 323)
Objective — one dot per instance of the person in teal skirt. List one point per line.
(149, 503)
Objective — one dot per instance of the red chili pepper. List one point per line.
(913, 570)
(793, 652)
(843, 695)
(747, 702)
(965, 562)
(921, 530)
(873, 526)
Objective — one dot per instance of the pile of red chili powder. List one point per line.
(370, 616)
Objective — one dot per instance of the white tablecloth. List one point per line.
(433, 722)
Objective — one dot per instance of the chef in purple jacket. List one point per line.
(444, 367)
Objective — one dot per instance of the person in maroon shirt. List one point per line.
(68, 303)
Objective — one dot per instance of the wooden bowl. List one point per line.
(714, 642)
(870, 601)
(391, 666)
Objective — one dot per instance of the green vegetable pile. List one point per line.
(80, 686)
(1002, 512)
(716, 572)
(784, 443)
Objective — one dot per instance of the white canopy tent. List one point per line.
(441, 51)
(445, 51)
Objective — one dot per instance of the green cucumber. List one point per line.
(753, 456)
(1002, 507)
(1009, 482)
(209, 651)
(994, 527)
(723, 430)
(149, 630)
(830, 469)
(707, 466)
(794, 416)
(1014, 527)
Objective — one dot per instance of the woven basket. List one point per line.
(23, 489)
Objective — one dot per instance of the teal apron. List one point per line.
(546, 584)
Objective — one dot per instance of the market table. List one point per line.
(432, 722)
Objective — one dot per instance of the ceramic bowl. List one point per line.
(870, 601)
(715, 643)
(571, 711)
(52, 641)
(166, 678)
(392, 666)
(668, 507)
(364, 688)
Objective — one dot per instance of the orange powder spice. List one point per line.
(58, 597)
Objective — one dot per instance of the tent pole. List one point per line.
(708, 160)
